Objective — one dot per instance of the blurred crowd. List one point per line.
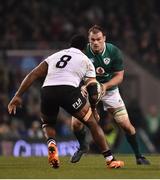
(38, 24)
(132, 25)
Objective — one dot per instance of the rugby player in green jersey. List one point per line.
(108, 62)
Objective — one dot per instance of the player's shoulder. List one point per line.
(54, 54)
(57, 54)
(78, 52)
(112, 48)
(74, 51)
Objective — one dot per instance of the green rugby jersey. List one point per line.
(107, 62)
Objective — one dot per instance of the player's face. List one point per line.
(97, 41)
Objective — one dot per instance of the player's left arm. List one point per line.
(117, 69)
(37, 72)
(116, 80)
(92, 87)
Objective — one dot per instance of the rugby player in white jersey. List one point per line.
(63, 72)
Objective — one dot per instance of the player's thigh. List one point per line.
(75, 103)
(121, 117)
(63, 115)
(49, 106)
(113, 102)
(112, 99)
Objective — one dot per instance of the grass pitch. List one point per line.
(90, 167)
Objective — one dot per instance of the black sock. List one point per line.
(81, 137)
(134, 144)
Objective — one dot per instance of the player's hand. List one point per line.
(84, 91)
(14, 103)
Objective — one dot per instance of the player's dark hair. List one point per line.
(78, 41)
(96, 29)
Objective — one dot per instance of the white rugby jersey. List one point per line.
(68, 67)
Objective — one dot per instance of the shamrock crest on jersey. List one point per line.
(106, 60)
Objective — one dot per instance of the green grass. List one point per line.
(90, 167)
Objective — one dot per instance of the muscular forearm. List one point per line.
(113, 82)
(117, 79)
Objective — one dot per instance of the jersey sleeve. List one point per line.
(117, 59)
(90, 71)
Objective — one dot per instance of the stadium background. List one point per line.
(31, 30)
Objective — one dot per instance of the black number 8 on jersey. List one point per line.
(63, 61)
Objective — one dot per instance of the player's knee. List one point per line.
(132, 130)
(91, 123)
(120, 115)
(47, 121)
(122, 118)
(87, 118)
(128, 128)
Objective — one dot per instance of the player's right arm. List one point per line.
(91, 85)
(37, 72)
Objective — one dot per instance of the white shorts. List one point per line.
(112, 99)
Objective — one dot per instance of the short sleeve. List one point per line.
(117, 57)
